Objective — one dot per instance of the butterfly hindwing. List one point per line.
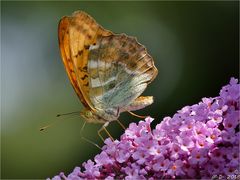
(119, 70)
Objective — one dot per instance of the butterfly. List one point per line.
(108, 71)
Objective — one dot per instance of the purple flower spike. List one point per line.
(200, 141)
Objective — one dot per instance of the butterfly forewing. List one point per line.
(76, 34)
(64, 43)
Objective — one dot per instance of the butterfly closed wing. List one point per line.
(108, 71)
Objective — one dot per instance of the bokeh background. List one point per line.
(195, 46)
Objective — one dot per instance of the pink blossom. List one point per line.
(199, 141)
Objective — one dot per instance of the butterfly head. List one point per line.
(90, 116)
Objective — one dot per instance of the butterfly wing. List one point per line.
(76, 33)
(120, 70)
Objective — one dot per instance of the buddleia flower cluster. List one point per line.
(199, 141)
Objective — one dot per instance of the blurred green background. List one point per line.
(195, 46)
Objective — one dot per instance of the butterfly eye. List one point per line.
(88, 113)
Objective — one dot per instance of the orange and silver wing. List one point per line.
(76, 34)
(120, 70)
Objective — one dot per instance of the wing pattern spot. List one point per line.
(86, 46)
(80, 52)
(84, 77)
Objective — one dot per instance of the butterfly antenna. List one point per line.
(47, 126)
(59, 115)
(142, 117)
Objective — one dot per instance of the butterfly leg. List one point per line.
(85, 139)
(91, 142)
(82, 127)
(121, 124)
(100, 134)
(104, 128)
(142, 117)
(108, 133)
